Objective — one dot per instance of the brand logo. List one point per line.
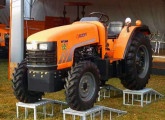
(64, 44)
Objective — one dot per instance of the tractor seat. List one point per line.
(114, 29)
(89, 19)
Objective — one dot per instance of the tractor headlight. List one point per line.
(32, 46)
(43, 46)
(47, 46)
(29, 47)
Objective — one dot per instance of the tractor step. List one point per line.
(140, 97)
(92, 113)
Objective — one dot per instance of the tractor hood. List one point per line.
(66, 32)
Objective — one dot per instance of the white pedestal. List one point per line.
(144, 97)
(41, 103)
(107, 91)
(92, 113)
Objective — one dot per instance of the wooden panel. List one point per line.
(51, 22)
(3, 25)
(159, 62)
(32, 26)
(2, 3)
(159, 59)
(77, 3)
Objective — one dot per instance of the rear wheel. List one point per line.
(20, 85)
(138, 63)
(82, 86)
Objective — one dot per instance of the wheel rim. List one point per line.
(142, 61)
(87, 86)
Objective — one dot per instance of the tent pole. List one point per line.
(16, 54)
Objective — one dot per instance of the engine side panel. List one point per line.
(85, 34)
(102, 36)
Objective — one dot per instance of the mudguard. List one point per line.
(125, 38)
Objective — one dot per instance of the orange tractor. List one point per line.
(4, 40)
(81, 57)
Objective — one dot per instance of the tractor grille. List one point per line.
(41, 57)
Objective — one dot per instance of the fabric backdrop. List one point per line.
(151, 12)
(5, 13)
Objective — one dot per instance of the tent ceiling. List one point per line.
(152, 13)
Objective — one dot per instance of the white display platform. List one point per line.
(92, 113)
(144, 97)
(106, 91)
(41, 103)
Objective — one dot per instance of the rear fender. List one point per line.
(125, 38)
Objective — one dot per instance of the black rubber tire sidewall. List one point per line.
(72, 86)
(131, 80)
(92, 70)
(20, 85)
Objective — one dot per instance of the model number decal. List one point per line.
(82, 35)
(64, 41)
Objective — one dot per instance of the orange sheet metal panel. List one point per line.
(102, 36)
(3, 26)
(111, 44)
(122, 41)
(3, 31)
(51, 22)
(68, 38)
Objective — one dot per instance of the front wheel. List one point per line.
(20, 85)
(137, 63)
(82, 86)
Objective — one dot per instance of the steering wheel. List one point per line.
(102, 17)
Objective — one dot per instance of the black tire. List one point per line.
(137, 72)
(20, 85)
(75, 86)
